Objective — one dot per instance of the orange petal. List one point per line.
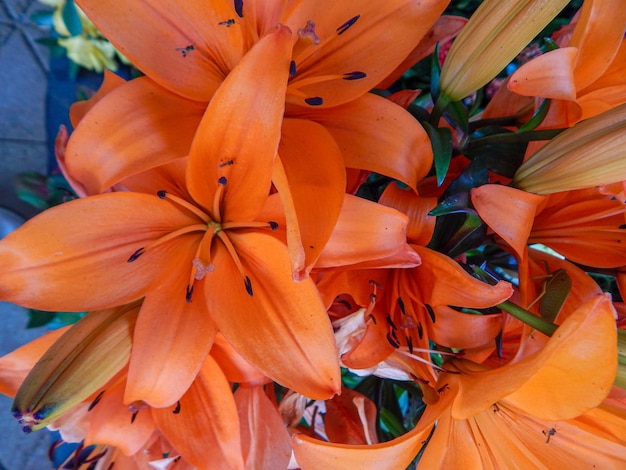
(551, 75)
(397, 146)
(15, 366)
(264, 437)
(235, 367)
(312, 167)
(73, 257)
(351, 418)
(507, 211)
(445, 29)
(292, 341)
(573, 371)
(112, 423)
(184, 47)
(462, 330)
(421, 225)
(207, 410)
(349, 33)
(126, 121)
(240, 131)
(559, 382)
(367, 232)
(171, 340)
(78, 110)
(441, 281)
(598, 36)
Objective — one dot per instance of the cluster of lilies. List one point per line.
(264, 247)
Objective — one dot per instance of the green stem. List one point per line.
(529, 318)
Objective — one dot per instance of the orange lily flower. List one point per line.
(164, 247)
(585, 76)
(328, 114)
(556, 392)
(407, 308)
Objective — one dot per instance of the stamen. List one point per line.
(431, 312)
(187, 205)
(390, 321)
(273, 225)
(420, 330)
(372, 317)
(96, 401)
(228, 23)
(233, 253)
(354, 75)
(409, 343)
(308, 32)
(232, 225)
(401, 305)
(314, 101)
(239, 8)
(344, 27)
(166, 238)
(177, 409)
(359, 403)
(292, 68)
(392, 342)
(217, 199)
(189, 293)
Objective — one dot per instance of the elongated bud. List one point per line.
(80, 362)
(493, 36)
(620, 379)
(591, 153)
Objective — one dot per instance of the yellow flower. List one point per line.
(589, 154)
(494, 35)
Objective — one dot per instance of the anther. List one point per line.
(390, 322)
(273, 225)
(354, 75)
(222, 180)
(189, 293)
(239, 8)
(431, 312)
(420, 330)
(292, 68)
(162, 194)
(373, 318)
(392, 342)
(177, 409)
(401, 305)
(344, 27)
(314, 101)
(136, 255)
(248, 283)
(96, 401)
(409, 343)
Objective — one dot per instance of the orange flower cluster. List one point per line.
(249, 307)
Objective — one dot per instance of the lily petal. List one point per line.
(182, 46)
(312, 165)
(239, 134)
(462, 330)
(205, 430)
(551, 75)
(397, 146)
(126, 122)
(73, 257)
(264, 437)
(347, 32)
(367, 232)
(171, 340)
(292, 340)
(507, 211)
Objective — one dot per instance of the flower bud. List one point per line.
(79, 363)
(591, 153)
(494, 35)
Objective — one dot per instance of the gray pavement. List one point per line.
(23, 147)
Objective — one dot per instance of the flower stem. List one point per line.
(529, 318)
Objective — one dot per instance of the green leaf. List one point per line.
(441, 142)
(37, 318)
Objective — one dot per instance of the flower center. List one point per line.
(211, 228)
